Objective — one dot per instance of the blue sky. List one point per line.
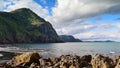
(49, 4)
(84, 19)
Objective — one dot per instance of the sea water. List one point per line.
(57, 49)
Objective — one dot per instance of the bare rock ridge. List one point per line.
(24, 26)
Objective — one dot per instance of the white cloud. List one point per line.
(99, 35)
(75, 28)
(69, 17)
(26, 4)
(101, 31)
(2, 5)
(92, 31)
(66, 11)
(85, 35)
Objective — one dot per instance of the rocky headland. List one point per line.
(34, 60)
(24, 26)
(69, 38)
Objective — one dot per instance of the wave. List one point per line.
(112, 52)
(1, 55)
(8, 48)
(3, 49)
(22, 50)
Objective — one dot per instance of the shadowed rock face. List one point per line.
(33, 60)
(24, 26)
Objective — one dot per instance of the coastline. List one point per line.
(34, 60)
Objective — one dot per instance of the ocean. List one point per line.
(57, 49)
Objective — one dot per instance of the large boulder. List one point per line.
(100, 61)
(28, 58)
(86, 58)
(54, 60)
(117, 61)
(118, 64)
(70, 61)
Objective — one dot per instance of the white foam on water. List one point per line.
(9, 49)
(112, 52)
(3, 49)
(1, 55)
(12, 48)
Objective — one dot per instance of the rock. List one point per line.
(42, 61)
(33, 60)
(72, 66)
(54, 60)
(69, 38)
(2, 64)
(75, 66)
(57, 65)
(64, 65)
(118, 64)
(100, 61)
(28, 58)
(33, 65)
(86, 58)
(85, 64)
(85, 61)
(70, 59)
(116, 59)
(49, 64)
(5, 65)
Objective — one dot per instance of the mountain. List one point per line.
(24, 26)
(69, 38)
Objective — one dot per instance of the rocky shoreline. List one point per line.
(34, 60)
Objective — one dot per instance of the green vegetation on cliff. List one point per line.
(24, 26)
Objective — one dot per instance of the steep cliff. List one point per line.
(24, 26)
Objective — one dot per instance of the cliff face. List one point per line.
(69, 38)
(24, 26)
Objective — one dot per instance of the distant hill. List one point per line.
(101, 41)
(69, 38)
(24, 26)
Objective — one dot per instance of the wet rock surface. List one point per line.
(33, 60)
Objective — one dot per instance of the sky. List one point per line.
(84, 19)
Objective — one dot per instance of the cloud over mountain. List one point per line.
(10, 5)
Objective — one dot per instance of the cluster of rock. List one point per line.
(34, 60)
